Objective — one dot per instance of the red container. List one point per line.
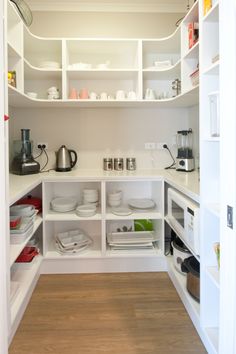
(36, 202)
(27, 255)
(15, 221)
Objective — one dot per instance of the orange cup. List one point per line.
(83, 94)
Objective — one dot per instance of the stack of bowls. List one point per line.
(90, 196)
(86, 210)
(115, 198)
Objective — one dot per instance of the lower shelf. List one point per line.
(27, 279)
(179, 281)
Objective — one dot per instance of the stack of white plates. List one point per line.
(141, 204)
(131, 240)
(49, 65)
(90, 196)
(86, 210)
(73, 241)
(63, 204)
(115, 198)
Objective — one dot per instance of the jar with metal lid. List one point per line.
(131, 163)
(108, 164)
(119, 164)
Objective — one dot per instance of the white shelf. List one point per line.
(213, 337)
(109, 74)
(212, 69)
(70, 216)
(34, 73)
(212, 139)
(170, 44)
(192, 15)
(135, 215)
(179, 280)
(187, 99)
(193, 52)
(155, 252)
(12, 52)
(15, 249)
(89, 253)
(214, 274)
(213, 14)
(167, 74)
(27, 279)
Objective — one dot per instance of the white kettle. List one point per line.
(64, 161)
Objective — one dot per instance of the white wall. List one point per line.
(123, 25)
(98, 133)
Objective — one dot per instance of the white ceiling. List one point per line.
(110, 5)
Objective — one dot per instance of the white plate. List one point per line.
(86, 208)
(131, 237)
(122, 211)
(142, 204)
(63, 204)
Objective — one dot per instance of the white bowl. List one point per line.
(114, 203)
(114, 198)
(32, 94)
(115, 194)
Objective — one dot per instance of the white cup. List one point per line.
(120, 95)
(149, 94)
(103, 96)
(132, 95)
(93, 96)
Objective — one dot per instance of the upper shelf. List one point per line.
(190, 98)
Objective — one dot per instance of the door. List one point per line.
(228, 177)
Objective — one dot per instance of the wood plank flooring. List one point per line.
(118, 313)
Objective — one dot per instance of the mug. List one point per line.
(73, 94)
(103, 96)
(132, 95)
(93, 95)
(120, 95)
(149, 94)
(83, 94)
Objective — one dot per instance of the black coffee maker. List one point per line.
(23, 162)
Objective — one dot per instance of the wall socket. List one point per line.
(149, 146)
(41, 144)
(154, 146)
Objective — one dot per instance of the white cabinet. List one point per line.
(104, 221)
(99, 65)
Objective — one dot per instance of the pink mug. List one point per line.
(73, 94)
(83, 94)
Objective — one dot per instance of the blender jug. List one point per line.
(185, 160)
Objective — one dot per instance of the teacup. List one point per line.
(120, 95)
(83, 94)
(149, 94)
(73, 94)
(103, 96)
(132, 95)
(93, 95)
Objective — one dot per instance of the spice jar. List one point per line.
(118, 164)
(108, 164)
(131, 163)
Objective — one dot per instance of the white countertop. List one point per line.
(186, 182)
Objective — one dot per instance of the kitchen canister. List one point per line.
(119, 164)
(130, 163)
(107, 164)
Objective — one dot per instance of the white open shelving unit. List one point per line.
(131, 68)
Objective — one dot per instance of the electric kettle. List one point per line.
(64, 160)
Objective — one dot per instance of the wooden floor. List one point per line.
(125, 313)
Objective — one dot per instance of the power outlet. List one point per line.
(41, 144)
(149, 146)
(159, 146)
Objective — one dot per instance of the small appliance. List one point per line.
(184, 160)
(64, 160)
(183, 217)
(23, 163)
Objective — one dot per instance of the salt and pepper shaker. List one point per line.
(130, 163)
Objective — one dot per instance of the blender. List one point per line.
(23, 163)
(185, 160)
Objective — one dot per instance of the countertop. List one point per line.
(185, 182)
